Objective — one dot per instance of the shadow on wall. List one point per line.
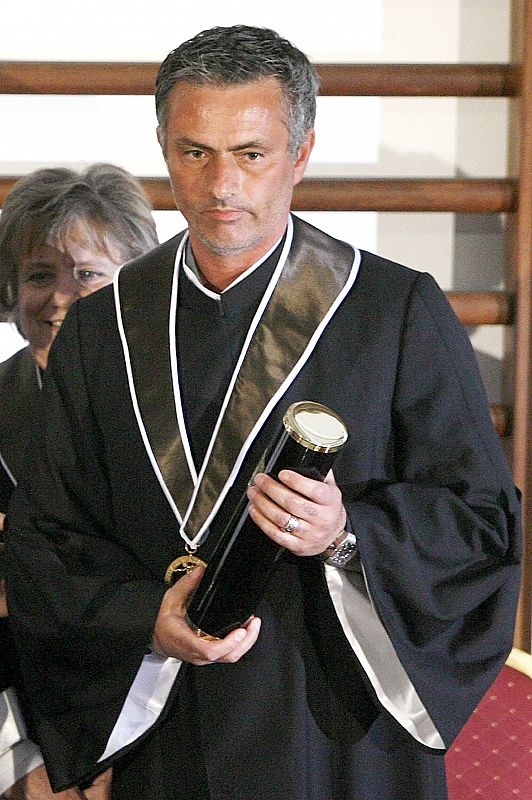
(480, 259)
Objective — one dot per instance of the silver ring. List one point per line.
(292, 524)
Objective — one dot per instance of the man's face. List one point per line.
(232, 174)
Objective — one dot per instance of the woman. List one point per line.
(63, 235)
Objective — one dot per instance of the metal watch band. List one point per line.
(342, 550)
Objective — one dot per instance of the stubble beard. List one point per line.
(219, 249)
(252, 242)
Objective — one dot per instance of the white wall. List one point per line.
(440, 137)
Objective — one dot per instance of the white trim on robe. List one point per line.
(18, 754)
(145, 701)
(372, 646)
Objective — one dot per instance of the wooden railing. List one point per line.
(367, 194)
(373, 80)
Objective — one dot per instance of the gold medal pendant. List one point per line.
(181, 566)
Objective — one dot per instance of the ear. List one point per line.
(303, 156)
(161, 140)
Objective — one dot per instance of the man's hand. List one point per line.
(318, 507)
(36, 786)
(100, 788)
(173, 637)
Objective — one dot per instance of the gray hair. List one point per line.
(241, 54)
(46, 205)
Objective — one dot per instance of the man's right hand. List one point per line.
(173, 637)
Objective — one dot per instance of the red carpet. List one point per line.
(492, 756)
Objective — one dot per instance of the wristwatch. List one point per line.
(341, 551)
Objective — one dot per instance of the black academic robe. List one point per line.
(428, 494)
(19, 395)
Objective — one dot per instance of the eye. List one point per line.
(88, 276)
(194, 155)
(253, 156)
(39, 277)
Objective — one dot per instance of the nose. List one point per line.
(225, 177)
(66, 289)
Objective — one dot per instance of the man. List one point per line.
(362, 662)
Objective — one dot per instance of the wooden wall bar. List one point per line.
(520, 282)
(406, 194)
(368, 194)
(502, 419)
(420, 80)
(482, 308)
(374, 80)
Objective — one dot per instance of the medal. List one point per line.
(181, 566)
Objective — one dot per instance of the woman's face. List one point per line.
(51, 279)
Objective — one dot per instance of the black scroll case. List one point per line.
(244, 558)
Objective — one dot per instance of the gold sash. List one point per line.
(314, 273)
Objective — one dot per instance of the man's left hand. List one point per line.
(316, 507)
(36, 786)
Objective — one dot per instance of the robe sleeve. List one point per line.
(440, 544)
(68, 569)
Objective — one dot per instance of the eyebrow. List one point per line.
(36, 262)
(253, 144)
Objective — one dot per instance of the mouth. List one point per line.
(225, 214)
(54, 323)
